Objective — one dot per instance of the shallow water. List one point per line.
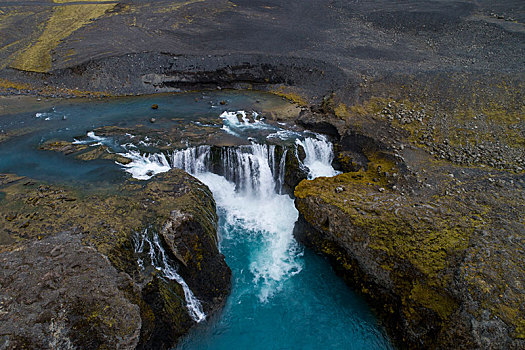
(70, 119)
(283, 296)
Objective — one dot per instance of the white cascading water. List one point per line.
(282, 172)
(143, 167)
(160, 262)
(319, 156)
(193, 160)
(248, 194)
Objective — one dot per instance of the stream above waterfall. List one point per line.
(283, 295)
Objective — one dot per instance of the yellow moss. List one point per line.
(64, 21)
(433, 300)
(493, 113)
(173, 303)
(289, 95)
(341, 111)
(397, 239)
(512, 314)
(369, 107)
(6, 84)
(426, 245)
(374, 175)
(520, 329)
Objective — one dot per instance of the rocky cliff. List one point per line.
(72, 275)
(425, 223)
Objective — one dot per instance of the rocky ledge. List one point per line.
(73, 275)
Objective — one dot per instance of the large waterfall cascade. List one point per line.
(248, 189)
(273, 275)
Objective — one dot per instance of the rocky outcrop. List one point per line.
(83, 151)
(435, 247)
(84, 282)
(441, 267)
(60, 294)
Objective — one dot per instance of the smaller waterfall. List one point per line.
(160, 262)
(193, 160)
(144, 166)
(282, 172)
(319, 156)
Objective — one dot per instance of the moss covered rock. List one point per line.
(105, 223)
(436, 249)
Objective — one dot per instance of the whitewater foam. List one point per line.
(144, 166)
(246, 182)
(267, 220)
(239, 122)
(319, 156)
(92, 140)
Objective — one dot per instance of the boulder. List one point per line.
(60, 294)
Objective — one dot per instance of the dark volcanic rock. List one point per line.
(320, 47)
(203, 265)
(441, 255)
(60, 294)
(321, 123)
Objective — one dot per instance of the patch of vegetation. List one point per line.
(64, 21)
(290, 94)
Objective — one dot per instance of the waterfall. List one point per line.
(282, 172)
(249, 167)
(159, 261)
(253, 168)
(319, 156)
(246, 182)
(193, 160)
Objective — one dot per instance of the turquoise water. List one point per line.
(70, 119)
(313, 310)
(283, 296)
